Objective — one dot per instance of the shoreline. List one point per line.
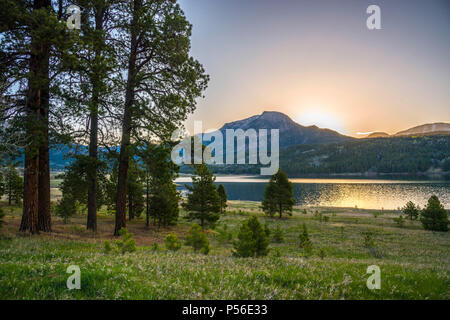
(263, 179)
(337, 209)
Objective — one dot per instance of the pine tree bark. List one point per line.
(92, 172)
(9, 189)
(30, 196)
(96, 80)
(121, 198)
(31, 171)
(44, 214)
(124, 156)
(147, 200)
(34, 132)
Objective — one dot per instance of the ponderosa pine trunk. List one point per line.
(121, 199)
(34, 133)
(92, 173)
(44, 214)
(30, 196)
(147, 211)
(31, 170)
(93, 139)
(9, 189)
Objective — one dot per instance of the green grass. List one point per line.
(414, 263)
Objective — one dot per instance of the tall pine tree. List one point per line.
(162, 80)
(36, 46)
(203, 201)
(13, 185)
(162, 197)
(223, 197)
(434, 216)
(96, 75)
(278, 195)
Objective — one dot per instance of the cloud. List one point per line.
(364, 133)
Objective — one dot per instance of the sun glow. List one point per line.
(321, 119)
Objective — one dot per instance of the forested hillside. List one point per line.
(395, 155)
(411, 155)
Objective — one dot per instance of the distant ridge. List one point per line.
(438, 127)
(378, 135)
(291, 133)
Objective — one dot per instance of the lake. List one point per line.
(363, 193)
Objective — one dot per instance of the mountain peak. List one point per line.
(290, 132)
(274, 114)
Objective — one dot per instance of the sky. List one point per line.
(317, 62)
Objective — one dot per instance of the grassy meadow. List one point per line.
(414, 263)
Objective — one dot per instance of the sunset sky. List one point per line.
(317, 62)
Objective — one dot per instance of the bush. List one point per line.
(433, 216)
(223, 235)
(2, 222)
(80, 229)
(252, 239)
(411, 210)
(399, 221)
(197, 239)
(123, 245)
(66, 208)
(369, 244)
(368, 239)
(127, 243)
(276, 252)
(322, 253)
(2, 217)
(155, 246)
(304, 241)
(278, 235)
(321, 217)
(267, 230)
(108, 247)
(341, 229)
(172, 242)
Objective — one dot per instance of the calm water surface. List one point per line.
(363, 193)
